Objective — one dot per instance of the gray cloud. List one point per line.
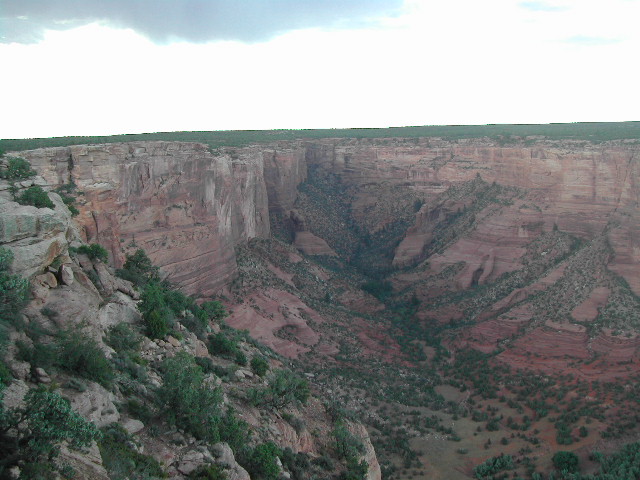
(196, 21)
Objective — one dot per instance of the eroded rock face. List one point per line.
(186, 207)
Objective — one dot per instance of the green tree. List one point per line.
(565, 462)
(17, 169)
(139, 269)
(186, 401)
(156, 314)
(31, 435)
(14, 291)
(261, 462)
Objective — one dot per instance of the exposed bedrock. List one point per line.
(188, 207)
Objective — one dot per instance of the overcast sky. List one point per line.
(96, 67)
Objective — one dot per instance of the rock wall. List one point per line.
(188, 207)
(578, 187)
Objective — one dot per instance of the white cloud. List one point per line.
(451, 63)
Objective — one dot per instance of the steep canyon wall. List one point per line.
(188, 207)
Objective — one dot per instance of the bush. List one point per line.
(68, 200)
(14, 291)
(186, 401)
(261, 461)
(220, 344)
(31, 435)
(283, 389)
(95, 251)
(208, 472)
(156, 314)
(565, 462)
(81, 355)
(17, 169)
(120, 458)
(139, 270)
(259, 366)
(123, 339)
(35, 196)
(347, 445)
(214, 310)
(241, 359)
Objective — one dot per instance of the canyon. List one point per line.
(189, 209)
(358, 253)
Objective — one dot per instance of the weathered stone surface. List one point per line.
(95, 404)
(36, 236)
(132, 425)
(224, 456)
(185, 206)
(65, 273)
(87, 464)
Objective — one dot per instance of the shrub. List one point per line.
(82, 356)
(68, 200)
(208, 472)
(17, 169)
(186, 401)
(156, 314)
(283, 389)
(14, 291)
(123, 339)
(347, 445)
(261, 461)
(214, 310)
(138, 269)
(35, 196)
(121, 459)
(220, 344)
(157, 324)
(31, 435)
(565, 462)
(241, 359)
(259, 366)
(95, 251)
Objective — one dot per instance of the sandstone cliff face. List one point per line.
(581, 188)
(187, 208)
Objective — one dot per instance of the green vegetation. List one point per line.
(120, 458)
(34, 196)
(208, 472)
(284, 388)
(64, 191)
(187, 402)
(493, 466)
(94, 252)
(261, 461)
(73, 352)
(259, 366)
(14, 295)
(505, 133)
(17, 169)
(30, 436)
(566, 462)
(139, 269)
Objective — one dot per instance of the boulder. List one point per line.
(65, 274)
